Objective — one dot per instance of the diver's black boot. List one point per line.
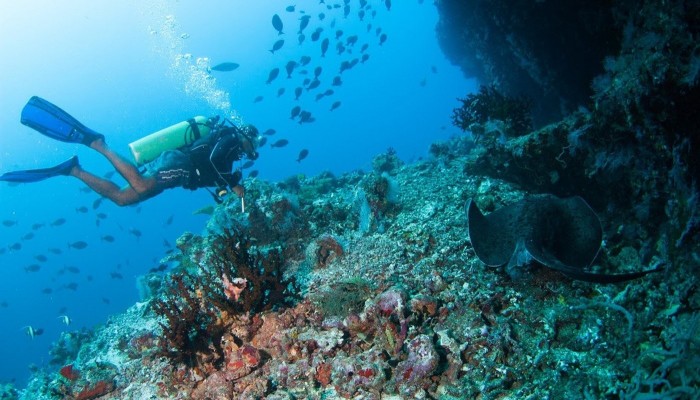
(89, 137)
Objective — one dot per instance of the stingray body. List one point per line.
(561, 234)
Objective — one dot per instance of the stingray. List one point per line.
(562, 234)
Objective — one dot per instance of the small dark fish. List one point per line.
(302, 155)
(382, 39)
(55, 250)
(364, 47)
(361, 15)
(388, 4)
(338, 33)
(423, 82)
(378, 31)
(262, 141)
(291, 65)
(277, 24)
(269, 132)
(37, 226)
(28, 236)
(324, 46)
(58, 222)
(16, 246)
(278, 45)
(135, 232)
(101, 215)
(365, 57)
(108, 238)
(254, 173)
(320, 96)
(2, 250)
(317, 71)
(369, 27)
(81, 210)
(116, 275)
(304, 60)
(4, 304)
(344, 66)
(346, 11)
(71, 286)
(273, 75)
(206, 210)
(351, 40)
(302, 37)
(32, 268)
(340, 48)
(47, 290)
(8, 223)
(79, 245)
(313, 85)
(258, 99)
(248, 164)
(105, 300)
(225, 67)
(72, 269)
(335, 105)
(166, 243)
(280, 92)
(41, 258)
(280, 143)
(337, 81)
(295, 112)
(433, 69)
(316, 35)
(297, 92)
(97, 203)
(89, 278)
(304, 23)
(306, 117)
(328, 92)
(169, 220)
(290, 8)
(321, 16)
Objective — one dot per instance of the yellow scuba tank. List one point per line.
(181, 134)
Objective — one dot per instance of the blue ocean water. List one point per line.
(130, 68)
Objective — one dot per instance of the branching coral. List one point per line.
(234, 280)
(489, 106)
(232, 257)
(189, 321)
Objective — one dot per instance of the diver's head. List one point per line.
(249, 140)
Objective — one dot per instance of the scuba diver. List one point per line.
(196, 153)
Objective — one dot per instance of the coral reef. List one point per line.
(489, 111)
(365, 285)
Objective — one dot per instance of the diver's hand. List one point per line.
(239, 190)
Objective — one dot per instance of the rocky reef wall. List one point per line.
(547, 50)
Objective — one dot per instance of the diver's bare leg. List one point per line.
(125, 168)
(106, 188)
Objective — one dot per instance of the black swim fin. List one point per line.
(48, 119)
(35, 175)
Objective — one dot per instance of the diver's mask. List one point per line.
(250, 141)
